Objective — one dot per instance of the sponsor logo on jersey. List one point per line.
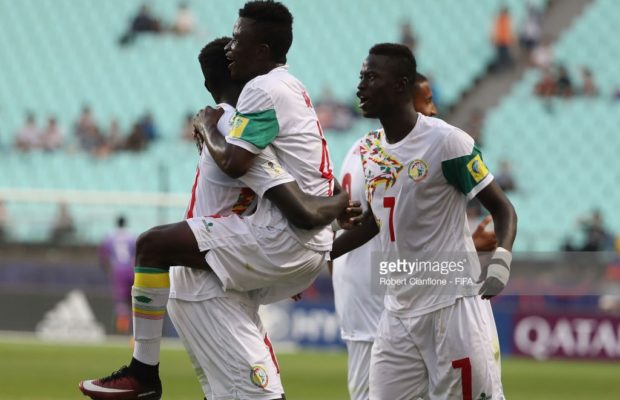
(477, 169)
(207, 225)
(273, 168)
(259, 376)
(238, 126)
(418, 170)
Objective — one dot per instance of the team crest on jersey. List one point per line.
(259, 376)
(238, 126)
(379, 167)
(477, 169)
(418, 170)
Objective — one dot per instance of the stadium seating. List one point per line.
(58, 55)
(563, 152)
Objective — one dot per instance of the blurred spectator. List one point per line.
(187, 133)
(27, 138)
(137, 140)
(503, 39)
(87, 132)
(143, 22)
(596, 236)
(563, 83)
(184, 21)
(4, 221)
(542, 56)
(116, 254)
(114, 137)
(532, 29)
(407, 37)
(615, 94)
(51, 137)
(332, 114)
(589, 88)
(545, 87)
(63, 226)
(474, 123)
(505, 179)
(147, 124)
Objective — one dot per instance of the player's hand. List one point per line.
(199, 139)
(484, 240)
(208, 116)
(351, 216)
(494, 276)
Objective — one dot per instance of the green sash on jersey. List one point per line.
(258, 128)
(465, 172)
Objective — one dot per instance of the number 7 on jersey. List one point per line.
(390, 202)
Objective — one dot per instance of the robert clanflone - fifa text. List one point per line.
(417, 272)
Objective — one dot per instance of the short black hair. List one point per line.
(121, 221)
(404, 60)
(214, 63)
(275, 22)
(419, 78)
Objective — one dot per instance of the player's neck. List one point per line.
(230, 95)
(268, 67)
(398, 124)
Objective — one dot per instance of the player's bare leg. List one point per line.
(156, 250)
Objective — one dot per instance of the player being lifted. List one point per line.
(261, 252)
(432, 341)
(357, 307)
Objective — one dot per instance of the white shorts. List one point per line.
(445, 354)
(229, 348)
(359, 368)
(246, 257)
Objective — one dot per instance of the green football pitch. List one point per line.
(35, 371)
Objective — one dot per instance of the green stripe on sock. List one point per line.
(149, 270)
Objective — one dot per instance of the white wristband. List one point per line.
(336, 226)
(499, 266)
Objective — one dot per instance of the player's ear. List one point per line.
(403, 85)
(264, 51)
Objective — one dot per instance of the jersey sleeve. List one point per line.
(265, 173)
(462, 164)
(255, 124)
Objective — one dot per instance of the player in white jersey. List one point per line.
(433, 339)
(262, 252)
(357, 307)
(246, 366)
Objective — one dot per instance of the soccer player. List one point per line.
(359, 310)
(117, 253)
(433, 339)
(278, 250)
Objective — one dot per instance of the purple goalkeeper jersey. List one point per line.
(118, 250)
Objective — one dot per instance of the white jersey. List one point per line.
(215, 193)
(357, 306)
(275, 109)
(418, 190)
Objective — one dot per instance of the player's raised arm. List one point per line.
(233, 160)
(505, 220)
